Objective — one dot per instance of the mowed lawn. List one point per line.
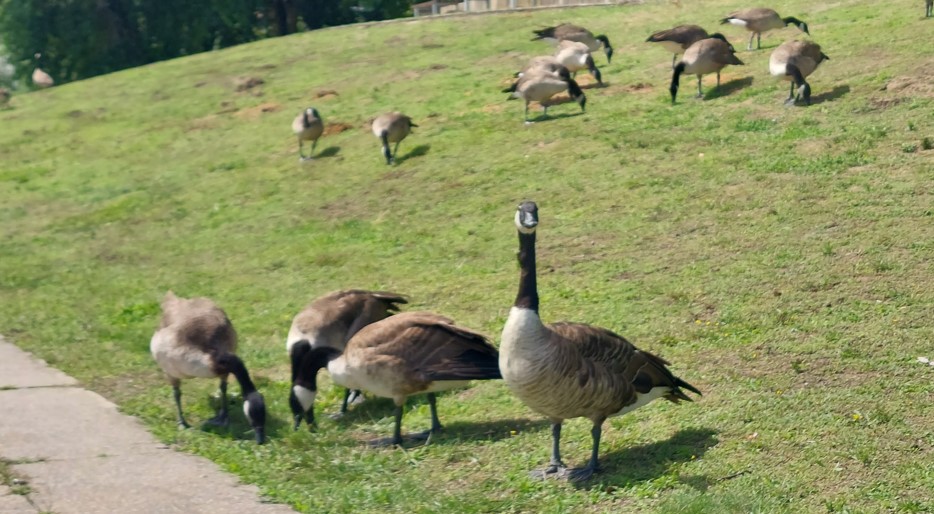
(780, 258)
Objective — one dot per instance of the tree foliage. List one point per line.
(83, 38)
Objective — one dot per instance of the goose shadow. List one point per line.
(728, 88)
(829, 96)
(456, 432)
(330, 151)
(418, 151)
(552, 117)
(646, 462)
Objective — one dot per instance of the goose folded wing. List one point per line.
(443, 351)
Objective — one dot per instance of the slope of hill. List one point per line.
(779, 257)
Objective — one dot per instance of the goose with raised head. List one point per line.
(573, 370)
(569, 32)
(705, 56)
(761, 19)
(540, 85)
(195, 339)
(392, 127)
(794, 61)
(575, 56)
(678, 39)
(307, 126)
(403, 355)
(331, 320)
(40, 78)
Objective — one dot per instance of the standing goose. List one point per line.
(402, 355)
(576, 56)
(568, 32)
(40, 78)
(540, 85)
(795, 60)
(392, 127)
(331, 320)
(705, 56)
(308, 126)
(572, 370)
(196, 339)
(761, 19)
(678, 39)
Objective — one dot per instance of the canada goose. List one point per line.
(331, 320)
(195, 339)
(572, 370)
(568, 32)
(402, 355)
(308, 126)
(761, 19)
(392, 128)
(678, 39)
(542, 63)
(540, 85)
(795, 60)
(575, 56)
(705, 56)
(40, 78)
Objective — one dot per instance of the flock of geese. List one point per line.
(561, 370)
(548, 75)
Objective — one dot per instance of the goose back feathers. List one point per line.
(569, 32)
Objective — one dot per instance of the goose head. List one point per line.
(310, 114)
(305, 387)
(254, 407)
(527, 217)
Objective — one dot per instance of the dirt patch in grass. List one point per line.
(252, 113)
(242, 84)
(326, 93)
(336, 127)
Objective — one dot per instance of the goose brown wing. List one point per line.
(684, 35)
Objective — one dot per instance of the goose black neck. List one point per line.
(230, 363)
(795, 73)
(312, 362)
(791, 20)
(527, 298)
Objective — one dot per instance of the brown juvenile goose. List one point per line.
(795, 60)
(196, 339)
(568, 32)
(392, 127)
(331, 320)
(705, 56)
(678, 39)
(571, 370)
(540, 85)
(307, 126)
(761, 19)
(403, 355)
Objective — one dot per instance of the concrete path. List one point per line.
(73, 452)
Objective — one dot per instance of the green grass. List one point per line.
(779, 257)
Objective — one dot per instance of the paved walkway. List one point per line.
(77, 454)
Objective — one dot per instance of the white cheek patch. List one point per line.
(305, 396)
(523, 229)
(735, 21)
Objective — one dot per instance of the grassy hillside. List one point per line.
(779, 257)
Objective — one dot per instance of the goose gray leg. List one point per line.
(396, 439)
(395, 151)
(700, 92)
(301, 151)
(313, 145)
(758, 40)
(177, 393)
(222, 419)
(555, 467)
(673, 57)
(791, 94)
(751, 37)
(581, 474)
(527, 112)
(432, 405)
(718, 79)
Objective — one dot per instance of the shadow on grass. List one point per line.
(330, 151)
(418, 151)
(649, 461)
(553, 117)
(831, 95)
(495, 430)
(729, 88)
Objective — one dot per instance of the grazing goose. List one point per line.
(761, 19)
(542, 63)
(392, 127)
(572, 370)
(795, 60)
(308, 126)
(575, 56)
(705, 56)
(405, 354)
(568, 32)
(540, 85)
(331, 320)
(40, 78)
(678, 39)
(195, 339)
